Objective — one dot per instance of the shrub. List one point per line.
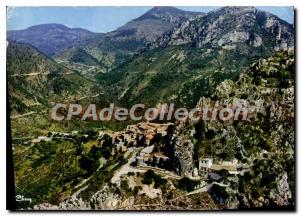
(187, 184)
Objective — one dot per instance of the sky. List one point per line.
(100, 19)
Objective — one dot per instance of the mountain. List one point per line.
(187, 62)
(120, 45)
(266, 140)
(153, 24)
(50, 38)
(86, 61)
(35, 82)
(230, 26)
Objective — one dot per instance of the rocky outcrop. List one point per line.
(281, 195)
(105, 199)
(230, 26)
(183, 153)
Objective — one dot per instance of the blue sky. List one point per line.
(99, 19)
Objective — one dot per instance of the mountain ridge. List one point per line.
(186, 62)
(50, 38)
(244, 21)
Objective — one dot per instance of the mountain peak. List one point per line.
(49, 38)
(165, 9)
(167, 12)
(228, 27)
(237, 9)
(56, 26)
(48, 26)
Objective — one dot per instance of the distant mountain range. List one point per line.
(56, 37)
(166, 54)
(160, 26)
(50, 38)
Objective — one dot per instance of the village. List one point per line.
(139, 138)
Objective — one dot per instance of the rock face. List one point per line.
(105, 199)
(267, 88)
(183, 153)
(229, 26)
(281, 195)
(72, 203)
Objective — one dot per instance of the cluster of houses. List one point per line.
(127, 140)
(147, 158)
(138, 135)
(207, 168)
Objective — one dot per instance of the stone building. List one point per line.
(208, 169)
